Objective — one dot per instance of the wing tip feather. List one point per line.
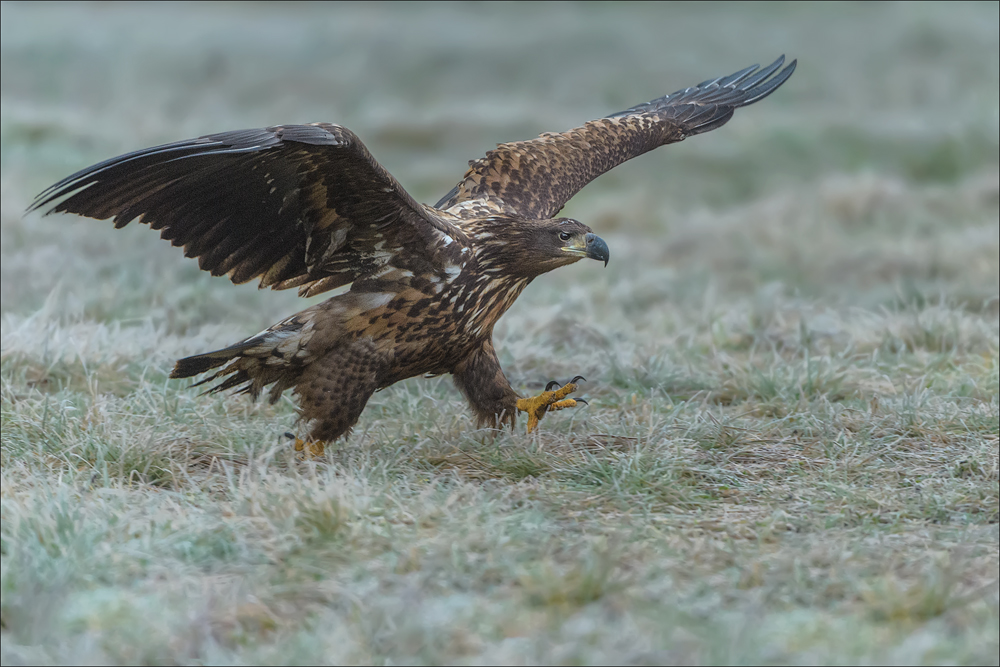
(738, 89)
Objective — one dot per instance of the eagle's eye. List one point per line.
(564, 236)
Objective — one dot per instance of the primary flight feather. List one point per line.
(307, 206)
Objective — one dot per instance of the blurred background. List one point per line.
(790, 450)
(869, 179)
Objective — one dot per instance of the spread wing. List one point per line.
(296, 205)
(535, 178)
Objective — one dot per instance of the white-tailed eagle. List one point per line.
(307, 206)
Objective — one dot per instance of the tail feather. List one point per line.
(276, 357)
(199, 363)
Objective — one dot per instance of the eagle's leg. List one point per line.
(480, 378)
(333, 391)
(537, 406)
(485, 386)
(310, 448)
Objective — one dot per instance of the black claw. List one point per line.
(289, 435)
(577, 379)
(580, 400)
(551, 385)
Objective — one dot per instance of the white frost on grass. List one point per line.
(790, 452)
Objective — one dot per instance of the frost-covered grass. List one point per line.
(791, 449)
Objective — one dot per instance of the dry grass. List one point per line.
(791, 449)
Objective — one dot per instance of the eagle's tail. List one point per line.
(276, 356)
(198, 364)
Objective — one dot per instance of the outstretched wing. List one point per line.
(296, 205)
(535, 178)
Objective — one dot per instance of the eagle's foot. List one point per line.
(537, 406)
(310, 449)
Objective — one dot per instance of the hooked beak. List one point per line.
(597, 248)
(593, 247)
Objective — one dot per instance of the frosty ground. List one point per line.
(791, 448)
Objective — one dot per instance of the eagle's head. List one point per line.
(534, 247)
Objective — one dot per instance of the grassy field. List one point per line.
(791, 449)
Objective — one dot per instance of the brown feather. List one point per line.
(244, 201)
(535, 178)
(307, 206)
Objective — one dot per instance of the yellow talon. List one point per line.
(537, 406)
(309, 448)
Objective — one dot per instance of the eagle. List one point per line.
(307, 206)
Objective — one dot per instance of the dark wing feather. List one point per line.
(535, 178)
(295, 205)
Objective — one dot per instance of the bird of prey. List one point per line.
(307, 206)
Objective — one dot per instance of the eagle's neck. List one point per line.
(495, 274)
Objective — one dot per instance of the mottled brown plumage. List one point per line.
(307, 206)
